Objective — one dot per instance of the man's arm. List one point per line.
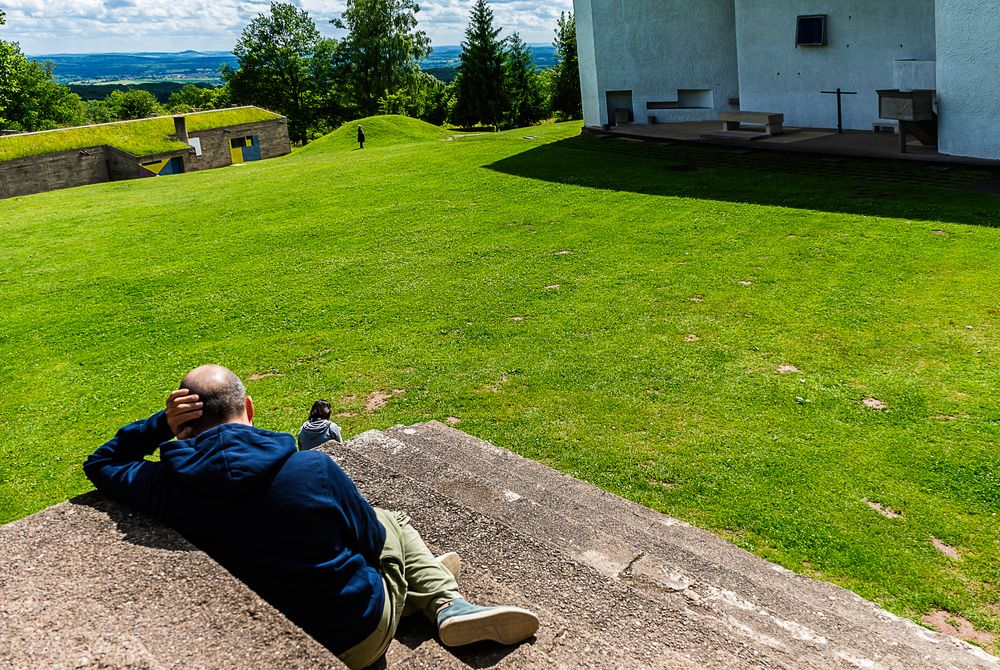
(119, 467)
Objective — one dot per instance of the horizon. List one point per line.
(533, 45)
(50, 27)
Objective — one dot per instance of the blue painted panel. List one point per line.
(252, 152)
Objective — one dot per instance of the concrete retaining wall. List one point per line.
(95, 165)
(215, 147)
(35, 174)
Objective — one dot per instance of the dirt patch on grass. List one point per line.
(348, 398)
(662, 483)
(495, 388)
(875, 404)
(944, 417)
(884, 510)
(697, 298)
(379, 399)
(787, 369)
(264, 375)
(518, 318)
(960, 627)
(691, 337)
(746, 282)
(553, 287)
(452, 421)
(564, 252)
(942, 233)
(946, 549)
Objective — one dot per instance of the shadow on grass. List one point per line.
(882, 188)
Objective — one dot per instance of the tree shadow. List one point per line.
(134, 526)
(867, 187)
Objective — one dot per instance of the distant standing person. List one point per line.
(361, 137)
(318, 429)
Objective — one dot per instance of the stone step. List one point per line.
(649, 562)
(88, 584)
(690, 570)
(588, 620)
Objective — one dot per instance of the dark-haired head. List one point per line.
(320, 410)
(223, 394)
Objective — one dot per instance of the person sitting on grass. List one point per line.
(290, 524)
(318, 429)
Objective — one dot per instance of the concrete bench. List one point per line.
(772, 122)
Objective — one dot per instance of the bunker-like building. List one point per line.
(664, 61)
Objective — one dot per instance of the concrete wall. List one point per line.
(865, 37)
(272, 136)
(968, 77)
(654, 48)
(36, 174)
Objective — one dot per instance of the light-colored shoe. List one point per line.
(451, 562)
(461, 623)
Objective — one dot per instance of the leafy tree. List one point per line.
(523, 86)
(427, 99)
(276, 69)
(381, 50)
(133, 104)
(30, 98)
(479, 86)
(192, 97)
(566, 97)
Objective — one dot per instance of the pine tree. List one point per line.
(522, 85)
(566, 96)
(480, 90)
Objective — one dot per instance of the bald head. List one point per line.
(223, 394)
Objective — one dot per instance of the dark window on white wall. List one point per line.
(810, 30)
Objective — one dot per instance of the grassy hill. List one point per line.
(380, 131)
(693, 329)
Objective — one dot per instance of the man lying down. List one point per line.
(290, 524)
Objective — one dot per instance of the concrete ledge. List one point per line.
(88, 584)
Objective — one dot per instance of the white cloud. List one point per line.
(53, 26)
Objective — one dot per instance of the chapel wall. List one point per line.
(865, 39)
(676, 58)
(968, 76)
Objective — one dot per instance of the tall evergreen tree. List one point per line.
(381, 50)
(479, 85)
(566, 97)
(524, 96)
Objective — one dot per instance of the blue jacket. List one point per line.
(289, 523)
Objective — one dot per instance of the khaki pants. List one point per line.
(410, 574)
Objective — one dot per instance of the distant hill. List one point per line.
(203, 66)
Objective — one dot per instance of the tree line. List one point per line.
(286, 65)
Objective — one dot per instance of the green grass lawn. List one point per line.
(618, 311)
(141, 137)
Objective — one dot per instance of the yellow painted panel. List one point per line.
(237, 155)
(155, 168)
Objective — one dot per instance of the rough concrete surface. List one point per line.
(617, 584)
(89, 585)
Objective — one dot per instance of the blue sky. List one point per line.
(80, 26)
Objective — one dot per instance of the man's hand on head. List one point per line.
(182, 408)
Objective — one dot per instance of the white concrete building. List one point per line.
(685, 60)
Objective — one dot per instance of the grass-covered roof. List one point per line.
(141, 137)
